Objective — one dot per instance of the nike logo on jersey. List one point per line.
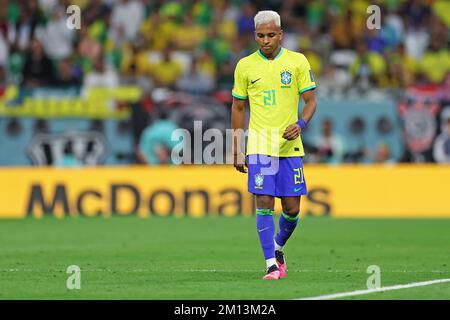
(254, 81)
(263, 229)
(297, 189)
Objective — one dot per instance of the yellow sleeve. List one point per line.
(240, 82)
(305, 78)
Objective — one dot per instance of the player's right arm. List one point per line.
(237, 124)
(237, 115)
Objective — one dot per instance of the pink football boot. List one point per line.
(281, 262)
(272, 273)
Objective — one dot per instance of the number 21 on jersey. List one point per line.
(269, 98)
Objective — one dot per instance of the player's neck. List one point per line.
(273, 55)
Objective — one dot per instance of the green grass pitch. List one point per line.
(218, 258)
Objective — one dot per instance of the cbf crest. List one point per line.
(286, 77)
(259, 180)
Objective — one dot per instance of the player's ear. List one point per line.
(281, 34)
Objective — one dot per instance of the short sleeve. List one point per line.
(305, 78)
(240, 82)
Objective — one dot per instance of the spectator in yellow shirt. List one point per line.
(166, 72)
(436, 61)
(368, 67)
(135, 59)
(189, 35)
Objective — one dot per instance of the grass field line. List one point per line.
(221, 270)
(382, 289)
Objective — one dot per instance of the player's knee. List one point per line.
(265, 202)
(292, 212)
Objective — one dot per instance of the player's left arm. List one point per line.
(306, 88)
(293, 131)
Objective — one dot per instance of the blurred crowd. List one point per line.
(194, 45)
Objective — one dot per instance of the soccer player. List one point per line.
(272, 79)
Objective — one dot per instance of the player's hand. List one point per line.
(292, 132)
(239, 162)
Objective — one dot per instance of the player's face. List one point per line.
(269, 37)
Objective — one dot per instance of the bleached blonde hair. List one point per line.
(267, 16)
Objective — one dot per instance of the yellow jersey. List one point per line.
(273, 88)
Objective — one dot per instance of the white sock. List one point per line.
(270, 262)
(277, 247)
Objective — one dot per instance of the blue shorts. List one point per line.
(278, 177)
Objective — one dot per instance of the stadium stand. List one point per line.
(178, 57)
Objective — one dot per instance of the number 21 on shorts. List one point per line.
(298, 176)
